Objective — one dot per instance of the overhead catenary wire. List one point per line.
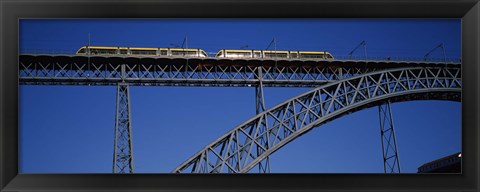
(374, 53)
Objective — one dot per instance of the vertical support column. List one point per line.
(260, 102)
(264, 165)
(391, 163)
(123, 154)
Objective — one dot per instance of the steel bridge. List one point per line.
(341, 87)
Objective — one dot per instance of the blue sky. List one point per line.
(69, 129)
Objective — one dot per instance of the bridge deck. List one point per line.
(168, 71)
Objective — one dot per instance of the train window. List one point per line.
(185, 53)
(191, 53)
(103, 51)
(143, 52)
(239, 54)
(163, 52)
(276, 55)
(257, 54)
(177, 53)
(110, 51)
(293, 55)
(123, 51)
(180, 53)
(82, 50)
(93, 51)
(312, 56)
(194, 53)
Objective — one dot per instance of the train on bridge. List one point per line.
(199, 53)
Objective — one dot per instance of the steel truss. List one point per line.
(232, 152)
(77, 70)
(391, 163)
(123, 153)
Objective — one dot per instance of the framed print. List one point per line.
(155, 95)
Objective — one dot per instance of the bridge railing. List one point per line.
(47, 51)
(397, 58)
(337, 57)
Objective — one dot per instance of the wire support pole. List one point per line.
(185, 47)
(365, 51)
(88, 51)
(364, 44)
(441, 45)
(391, 163)
(263, 166)
(123, 153)
(274, 43)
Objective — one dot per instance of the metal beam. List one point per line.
(391, 163)
(123, 153)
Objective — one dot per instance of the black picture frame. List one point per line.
(12, 11)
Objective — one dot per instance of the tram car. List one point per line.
(138, 51)
(270, 54)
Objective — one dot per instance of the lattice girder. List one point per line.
(123, 154)
(77, 70)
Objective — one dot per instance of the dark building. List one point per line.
(448, 164)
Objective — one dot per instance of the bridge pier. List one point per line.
(263, 166)
(123, 155)
(391, 163)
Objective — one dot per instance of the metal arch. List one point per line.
(232, 152)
